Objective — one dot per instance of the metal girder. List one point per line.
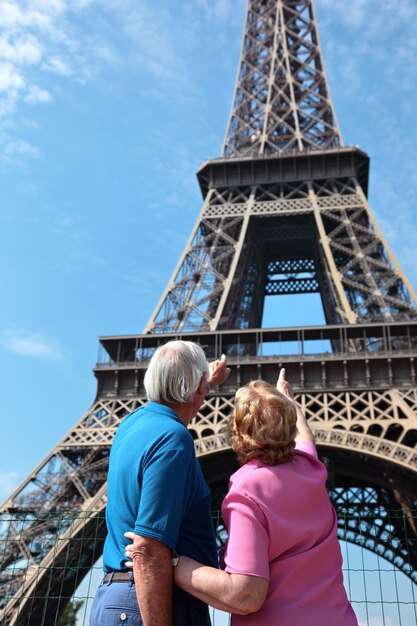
(282, 100)
(220, 280)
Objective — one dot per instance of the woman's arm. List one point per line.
(304, 432)
(235, 593)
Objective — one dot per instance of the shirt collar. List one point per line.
(162, 409)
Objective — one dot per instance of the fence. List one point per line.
(50, 568)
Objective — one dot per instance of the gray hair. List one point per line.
(174, 372)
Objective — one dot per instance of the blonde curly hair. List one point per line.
(263, 424)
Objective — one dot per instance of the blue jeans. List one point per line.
(115, 604)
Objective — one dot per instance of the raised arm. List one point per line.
(304, 432)
(218, 371)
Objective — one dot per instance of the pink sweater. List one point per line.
(282, 527)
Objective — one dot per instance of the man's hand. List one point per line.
(218, 371)
(129, 549)
(153, 575)
(284, 386)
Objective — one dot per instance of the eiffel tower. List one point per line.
(285, 211)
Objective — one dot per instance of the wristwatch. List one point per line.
(175, 559)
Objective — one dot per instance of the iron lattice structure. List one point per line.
(282, 100)
(298, 223)
(285, 211)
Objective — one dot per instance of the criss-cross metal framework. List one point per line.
(282, 100)
(277, 225)
(285, 211)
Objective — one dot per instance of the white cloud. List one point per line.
(10, 79)
(13, 17)
(36, 95)
(43, 41)
(8, 483)
(58, 66)
(48, 6)
(24, 49)
(29, 34)
(36, 345)
(17, 151)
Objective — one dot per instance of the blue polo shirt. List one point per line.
(156, 488)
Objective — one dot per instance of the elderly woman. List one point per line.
(282, 561)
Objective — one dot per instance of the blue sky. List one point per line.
(107, 109)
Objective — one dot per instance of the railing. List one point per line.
(342, 340)
(270, 154)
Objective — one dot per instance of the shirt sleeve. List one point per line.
(308, 447)
(246, 550)
(167, 481)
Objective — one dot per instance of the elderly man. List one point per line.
(156, 489)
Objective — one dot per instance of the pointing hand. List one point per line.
(284, 386)
(218, 371)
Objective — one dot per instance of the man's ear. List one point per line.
(202, 386)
